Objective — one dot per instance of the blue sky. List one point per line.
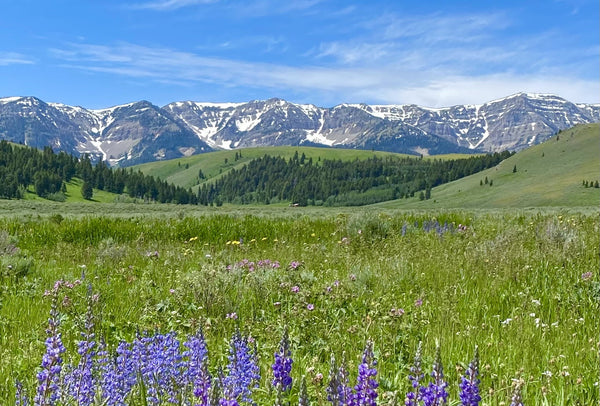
(435, 53)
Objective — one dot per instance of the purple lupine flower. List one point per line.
(303, 399)
(197, 367)
(21, 398)
(365, 391)
(243, 371)
(469, 385)
(282, 367)
(118, 375)
(79, 383)
(338, 391)
(435, 393)
(516, 398)
(49, 377)
(415, 377)
(162, 367)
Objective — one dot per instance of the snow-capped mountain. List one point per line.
(141, 132)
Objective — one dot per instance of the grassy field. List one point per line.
(522, 285)
(548, 174)
(184, 171)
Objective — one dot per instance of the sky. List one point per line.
(437, 53)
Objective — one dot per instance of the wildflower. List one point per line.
(419, 302)
(303, 399)
(435, 393)
(21, 398)
(415, 377)
(117, 375)
(516, 399)
(469, 385)
(366, 384)
(338, 391)
(197, 366)
(310, 306)
(294, 265)
(295, 289)
(232, 316)
(48, 378)
(586, 276)
(282, 367)
(396, 312)
(352, 277)
(79, 383)
(243, 371)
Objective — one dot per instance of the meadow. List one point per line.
(521, 285)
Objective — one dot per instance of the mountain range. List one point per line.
(142, 132)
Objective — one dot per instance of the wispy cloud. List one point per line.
(14, 58)
(247, 8)
(373, 84)
(167, 5)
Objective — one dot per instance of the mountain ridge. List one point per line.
(140, 131)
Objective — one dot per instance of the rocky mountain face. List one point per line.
(141, 132)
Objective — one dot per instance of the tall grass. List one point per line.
(524, 287)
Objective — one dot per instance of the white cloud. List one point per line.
(165, 5)
(373, 84)
(14, 58)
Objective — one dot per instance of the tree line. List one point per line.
(48, 172)
(302, 181)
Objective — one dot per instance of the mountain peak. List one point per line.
(140, 131)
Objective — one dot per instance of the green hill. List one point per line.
(184, 171)
(548, 174)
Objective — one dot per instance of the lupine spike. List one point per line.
(435, 393)
(282, 381)
(415, 377)
(80, 384)
(21, 398)
(48, 391)
(516, 398)
(243, 371)
(469, 385)
(365, 391)
(303, 399)
(334, 383)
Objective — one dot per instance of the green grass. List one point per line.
(517, 265)
(184, 171)
(548, 174)
(73, 195)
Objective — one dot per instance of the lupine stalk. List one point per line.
(303, 399)
(48, 391)
(21, 398)
(80, 384)
(282, 366)
(365, 391)
(469, 385)
(243, 371)
(197, 368)
(435, 393)
(516, 399)
(415, 377)
(339, 393)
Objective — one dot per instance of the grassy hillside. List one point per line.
(184, 171)
(548, 174)
(73, 194)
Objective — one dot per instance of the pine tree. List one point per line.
(86, 191)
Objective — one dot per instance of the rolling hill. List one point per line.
(184, 171)
(547, 175)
